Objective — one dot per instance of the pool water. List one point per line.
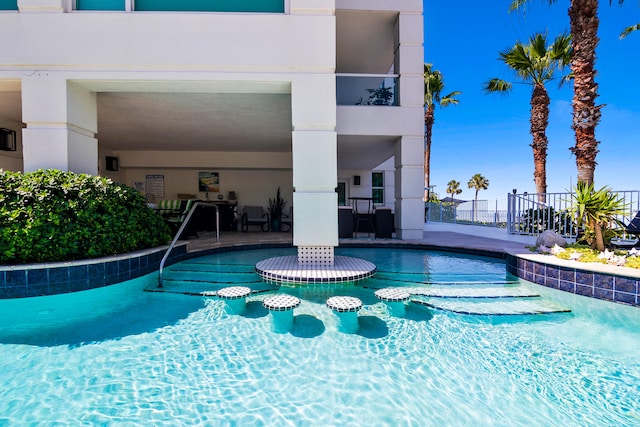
(122, 356)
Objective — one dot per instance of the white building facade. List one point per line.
(305, 95)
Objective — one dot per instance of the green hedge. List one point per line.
(50, 215)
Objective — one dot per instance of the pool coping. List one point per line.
(610, 283)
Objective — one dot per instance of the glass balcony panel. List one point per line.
(8, 4)
(260, 6)
(367, 89)
(99, 4)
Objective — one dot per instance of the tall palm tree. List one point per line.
(453, 188)
(583, 16)
(478, 182)
(535, 65)
(433, 86)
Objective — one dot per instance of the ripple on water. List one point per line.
(194, 364)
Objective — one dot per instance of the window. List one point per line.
(8, 4)
(377, 188)
(7, 139)
(100, 5)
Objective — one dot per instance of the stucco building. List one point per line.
(306, 95)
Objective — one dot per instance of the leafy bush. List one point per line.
(50, 215)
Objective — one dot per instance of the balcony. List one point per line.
(367, 89)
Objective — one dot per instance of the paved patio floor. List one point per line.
(472, 237)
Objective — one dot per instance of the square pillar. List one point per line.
(409, 181)
(62, 120)
(315, 168)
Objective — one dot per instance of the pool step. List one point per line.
(443, 279)
(498, 308)
(474, 292)
(193, 278)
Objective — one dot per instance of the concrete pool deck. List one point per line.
(471, 237)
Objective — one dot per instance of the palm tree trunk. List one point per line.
(539, 122)
(599, 237)
(583, 15)
(428, 125)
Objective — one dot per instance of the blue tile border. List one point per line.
(32, 280)
(58, 278)
(605, 286)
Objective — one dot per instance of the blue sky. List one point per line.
(489, 134)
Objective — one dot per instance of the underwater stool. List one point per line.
(394, 299)
(281, 309)
(346, 308)
(235, 298)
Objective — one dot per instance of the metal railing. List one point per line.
(466, 213)
(181, 229)
(525, 213)
(367, 89)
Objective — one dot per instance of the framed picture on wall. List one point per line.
(209, 182)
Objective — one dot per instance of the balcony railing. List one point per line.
(367, 89)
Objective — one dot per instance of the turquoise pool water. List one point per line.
(122, 356)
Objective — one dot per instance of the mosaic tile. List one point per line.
(625, 284)
(584, 278)
(584, 290)
(605, 294)
(603, 281)
(625, 298)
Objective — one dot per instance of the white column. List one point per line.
(315, 202)
(409, 177)
(409, 150)
(62, 120)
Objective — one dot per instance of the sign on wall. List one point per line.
(155, 185)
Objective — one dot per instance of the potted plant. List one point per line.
(276, 207)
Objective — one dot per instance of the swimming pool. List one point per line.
(121, 356)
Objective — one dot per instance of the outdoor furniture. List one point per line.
(287, 220)
(254, 215)
(174, 212)
(235, 298)
(281, 309)
(394, 299)
(346, 309)
(361, 215)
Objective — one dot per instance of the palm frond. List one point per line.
(497, 85)
(629, 30)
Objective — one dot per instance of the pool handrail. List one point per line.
(182, 227)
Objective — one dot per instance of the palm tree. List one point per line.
(596, 211)
(433, 86)
(453, 188)
(583, 16)
(478, 182)
(535, 64)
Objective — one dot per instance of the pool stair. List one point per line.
(205, 279)
(471, 294)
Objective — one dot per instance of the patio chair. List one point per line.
(287, 220)
(634, 226)
(633, 229)
(174, 212)
(254, 215)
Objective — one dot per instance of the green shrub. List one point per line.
(50, 215)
